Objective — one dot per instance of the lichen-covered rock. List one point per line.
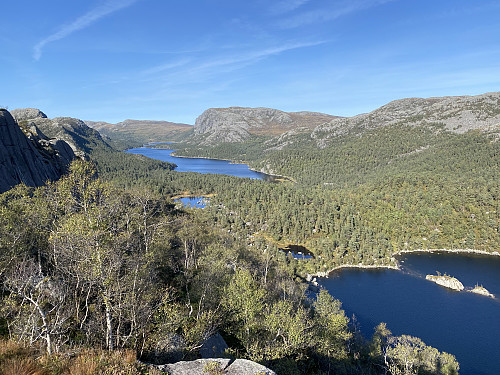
(446, 281)
(197, 367)
(210, 366)
(246, 367)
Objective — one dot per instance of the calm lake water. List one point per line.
(200, 165)
(462, 323)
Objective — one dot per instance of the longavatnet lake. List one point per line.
(199, 165)
(461, 323)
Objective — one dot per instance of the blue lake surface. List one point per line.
(200, 165)
(461, 323)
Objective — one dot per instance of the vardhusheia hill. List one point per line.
(457, 113)
(236, 124)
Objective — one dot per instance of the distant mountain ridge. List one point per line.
(141, 131)
(235, 124)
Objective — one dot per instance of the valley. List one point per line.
(415, 174)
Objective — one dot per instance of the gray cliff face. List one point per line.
(236, 124)
(458, 114)
(32, 160)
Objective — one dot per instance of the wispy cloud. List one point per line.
(108, 7)
(195, 72)
(255, 56)
(329, 14)
(165, 67)
(287, 6)
(213, 67)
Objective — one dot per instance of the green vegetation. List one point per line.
(86, 264)
(368, 196)
(393, 189)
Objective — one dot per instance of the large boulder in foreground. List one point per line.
(216, 366)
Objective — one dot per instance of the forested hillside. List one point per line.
(373, 185)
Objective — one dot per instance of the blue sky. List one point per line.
(111, 60)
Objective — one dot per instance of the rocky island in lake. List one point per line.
(446, 281)
(483, 291)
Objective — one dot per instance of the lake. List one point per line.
(461, 323)
(201, 165)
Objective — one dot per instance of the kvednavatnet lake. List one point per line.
(461, 323)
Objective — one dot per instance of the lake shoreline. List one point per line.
(325, 274)
(450, 251)
(277, 176)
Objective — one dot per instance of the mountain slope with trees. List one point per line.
(414, 174)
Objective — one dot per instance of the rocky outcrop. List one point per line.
(215, 346)
(236, 124)
(482, 291)
(22, 114)
(246, 367)
(29, 157)
(81, 138)
(216, 366)
(446, 281)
